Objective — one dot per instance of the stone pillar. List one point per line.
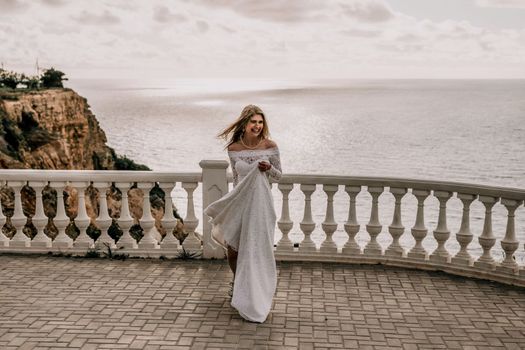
(374, 227)
(419, 231)
(147, 221)
(125, 221)
(307, 224)
(285, 223)
(396, 228)
(487, 240)
(103, 220)
(39, 220)
(82, 220)
(61, 220)
(329, 225)
(192, 242)
(351, 225)
(214, 187)
(19, 240)
(169, 242)
(464, 236)
(441, 233)
(509, 243)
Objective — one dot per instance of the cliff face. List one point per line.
(52, 129)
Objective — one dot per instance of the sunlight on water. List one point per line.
(464, 131)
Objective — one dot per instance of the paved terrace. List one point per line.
(77, 303)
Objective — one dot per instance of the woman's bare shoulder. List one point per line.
(234, 147)
(269, 144)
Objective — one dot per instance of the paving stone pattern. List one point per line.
(73, 303)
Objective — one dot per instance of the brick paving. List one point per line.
(73, 303)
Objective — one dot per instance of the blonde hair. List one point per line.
(234, 132)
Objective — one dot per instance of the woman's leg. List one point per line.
(232, 260)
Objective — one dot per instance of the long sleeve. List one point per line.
(234, 171)
(275, 171)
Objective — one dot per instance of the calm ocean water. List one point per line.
(452, 130)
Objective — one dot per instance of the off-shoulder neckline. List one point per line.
(271, 149)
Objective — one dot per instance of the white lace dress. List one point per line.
(244, 219)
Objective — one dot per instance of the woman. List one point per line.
(243, 221)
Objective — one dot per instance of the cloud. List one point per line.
(106, 18)
(363, 33)
(270, 10)
(202, 26)
(7, 6)
(227, 29)
(163, 14)
(54, 3)
(501, 3)
(367, 11)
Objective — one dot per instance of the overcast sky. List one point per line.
(266, 38)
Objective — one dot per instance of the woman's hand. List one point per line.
(264, 166)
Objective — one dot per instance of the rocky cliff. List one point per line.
(55, 129)
(52, 129)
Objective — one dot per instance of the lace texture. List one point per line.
(241, 162)
(245, 219)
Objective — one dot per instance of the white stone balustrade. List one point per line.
(351, 225)
(487, 240)
(285, 224)
(419, 231)
(396, 228)
(307, 224)
(125, 221)
(500, 255)
(374, 227)
(39, 220)
(441, 233)
(168, 220)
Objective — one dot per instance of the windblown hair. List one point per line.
(235, 131)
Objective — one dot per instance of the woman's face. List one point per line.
(255, 126)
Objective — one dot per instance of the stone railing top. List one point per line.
(483, 190)
(97, 175)
(214, 164)
(308, 179)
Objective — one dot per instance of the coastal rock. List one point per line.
(55, 129)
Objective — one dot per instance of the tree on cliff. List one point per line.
(52, 78)
(10, 79)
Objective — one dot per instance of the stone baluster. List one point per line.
(374, 227)
(464, 236)
(487, 239)
(82, 220)
(214, 187)
(18, 219)
(351, 225)
(285, 223)
(4, 241)
(39, 220)
(509, 244)
(307, 225)
(147, 221)
(396, 228)
(192, 242)
(103, 220)
(441, 233)
(61, 220)
(168, 220)
(419, 231)
(329, 225)
(125, 221)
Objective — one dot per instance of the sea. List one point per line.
(470, 131)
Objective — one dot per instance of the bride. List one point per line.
(243, 221)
